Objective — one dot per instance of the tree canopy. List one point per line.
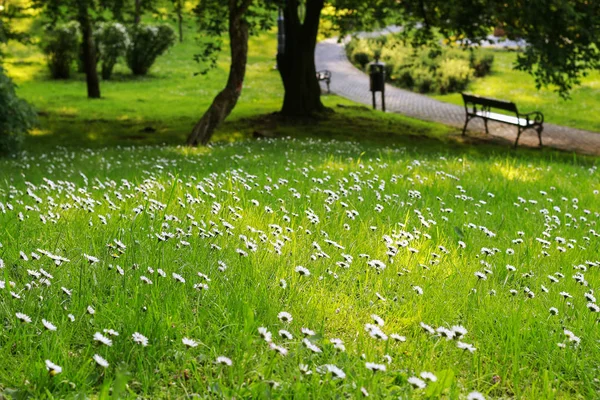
(563, 36)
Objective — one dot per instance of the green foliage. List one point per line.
(481, 63)
(453, 75)
(425, 69)
(61, 46)
(212, 18)
(147, 43)
(16, 117)
(112, 41)
(562, 35)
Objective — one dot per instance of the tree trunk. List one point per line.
(137, 12)
(226, 100)
(89, 51)
(297, 63)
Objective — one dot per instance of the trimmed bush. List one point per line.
(425, 69)
(147, 43)
(112, 41)
(454, 75)
(481, 64)
(61, 46)
(16, 117)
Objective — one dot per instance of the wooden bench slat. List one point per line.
(507, 119)
(489, 102)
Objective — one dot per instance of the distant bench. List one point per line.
(479, 107)
(325, 75)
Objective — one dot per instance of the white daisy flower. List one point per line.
(102, 339)
(23, 317)
(48, 325)
(312, 347)
(376, 367)
(100, 361)
(189, 342)
(52, 368)
(140, 339)
(417, 383)
(224, 360)
(285, 316)
(265, 334)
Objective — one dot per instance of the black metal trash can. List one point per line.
(377, 75)
(377, 81)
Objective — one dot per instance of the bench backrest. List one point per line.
(488, 102)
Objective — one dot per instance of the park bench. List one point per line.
(325, 75)
(480, 107)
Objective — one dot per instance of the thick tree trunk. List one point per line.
(226, 100)
(89, 51)
(137, 12)
(297, 64)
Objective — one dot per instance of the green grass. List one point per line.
(505, 83)
(406, 180)
(169, 101)
(73, 203)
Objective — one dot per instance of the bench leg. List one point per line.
(518, 136)
(464, 131)
(487, 131)
(539, 131)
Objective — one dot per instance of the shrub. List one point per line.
(361, 53)
(432, 68)
(361, 58)
(454, 75)
(61, 46)
(481, 64)
(147, 43)
(16, 117)
(112, 41)
(424, 80)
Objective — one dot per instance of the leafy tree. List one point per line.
(563, 36)
(79, 10)
(239, 18)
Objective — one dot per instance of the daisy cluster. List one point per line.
(296, 262)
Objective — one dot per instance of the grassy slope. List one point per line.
(580, 111)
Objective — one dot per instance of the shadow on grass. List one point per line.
(372, 129)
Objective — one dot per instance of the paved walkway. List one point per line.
(351, 83)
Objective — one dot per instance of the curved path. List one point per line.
(349, 82)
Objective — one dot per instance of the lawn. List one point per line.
(160, 108)
(199, 251)
(579, 111)
(360, 253)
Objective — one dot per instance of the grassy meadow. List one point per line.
(362, 254)
(199, 251)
